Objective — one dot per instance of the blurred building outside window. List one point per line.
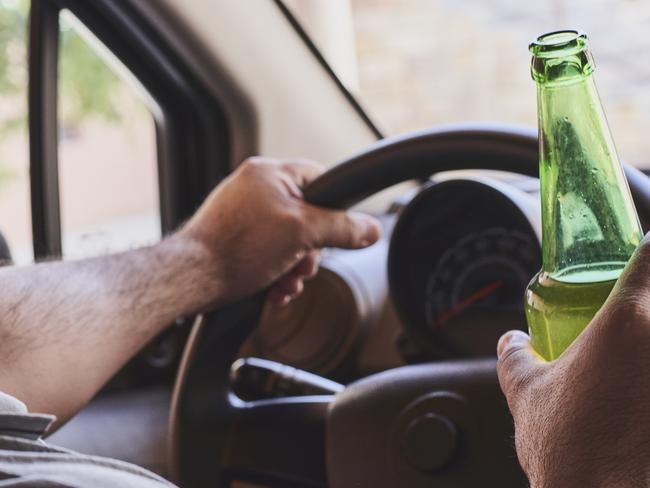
(421, 63)
(412, 63)
(15, 217)
(107, 148)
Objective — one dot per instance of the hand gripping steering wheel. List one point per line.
(439, 424)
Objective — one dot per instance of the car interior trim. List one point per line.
(43, 129)
(191, 127)
(354, 102)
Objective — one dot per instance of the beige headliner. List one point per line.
(281, 88)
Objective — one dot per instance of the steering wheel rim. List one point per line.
(204, 411)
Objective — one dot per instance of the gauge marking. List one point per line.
(468, 302)
(457, 287)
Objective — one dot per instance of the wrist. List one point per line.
(194, 274)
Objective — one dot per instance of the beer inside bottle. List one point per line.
(589, 224)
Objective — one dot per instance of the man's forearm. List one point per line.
(67, 327)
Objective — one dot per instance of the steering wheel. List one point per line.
(438, 424)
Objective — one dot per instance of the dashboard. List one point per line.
(446, 280)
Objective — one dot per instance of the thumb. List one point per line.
(337, 228)
(516, 363)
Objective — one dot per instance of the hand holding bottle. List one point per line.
(582, 420)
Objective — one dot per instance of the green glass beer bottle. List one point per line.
(589, 224)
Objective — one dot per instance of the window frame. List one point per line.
(192, 130)
(43, 57)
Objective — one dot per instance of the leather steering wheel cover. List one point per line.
(418, 155)
(203, 408)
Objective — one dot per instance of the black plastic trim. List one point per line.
(191, 126)
(43, 128)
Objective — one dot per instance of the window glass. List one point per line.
(15, 220)
(426, 62)
(107, 150)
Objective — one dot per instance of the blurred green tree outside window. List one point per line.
(87, 87)
(13, 74)
(107, 157)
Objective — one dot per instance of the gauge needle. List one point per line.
(469, 301)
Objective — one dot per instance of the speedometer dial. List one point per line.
(461, 256)
(481, 277)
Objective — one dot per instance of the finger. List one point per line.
(516, 363)
(336, 228)
(289, 285)
(302, 171)
(278, 298)
(308, 266)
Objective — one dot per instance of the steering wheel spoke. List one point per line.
(279, 441)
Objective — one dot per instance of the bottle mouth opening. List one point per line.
(558, 43)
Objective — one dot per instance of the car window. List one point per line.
(108, 181)
(107, 150)
(15, 219)
(421, 63)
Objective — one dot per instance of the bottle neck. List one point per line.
(575, 67)
(560, 57)
(589, 223)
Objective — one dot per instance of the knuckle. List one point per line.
(507, 357)
(511, 354)
(290, 170)
(291, 163)
(302, 171)
(314, 263)
(253, 164)
(628, 307)
(253, 160)
(634, 291)
(297, 226)
(637, 308)
(310, 162)
(350, 231)
(636, 276)
(287, 167)
(644, 248)
(623, 324)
